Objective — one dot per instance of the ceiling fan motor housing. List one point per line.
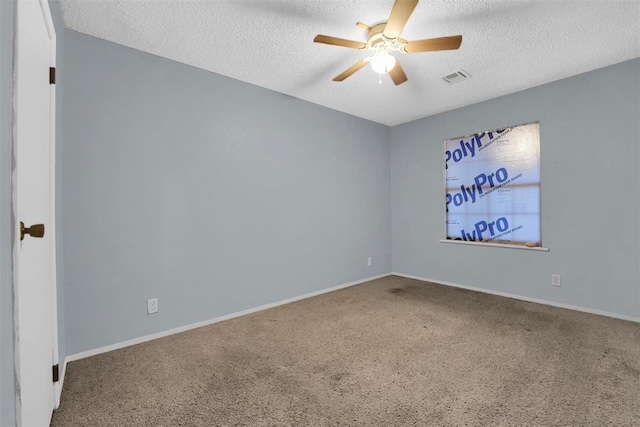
(376, 39)
(375, 35)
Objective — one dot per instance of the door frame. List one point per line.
(56, 388)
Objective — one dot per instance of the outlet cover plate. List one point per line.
(555, 280)
(152, 305)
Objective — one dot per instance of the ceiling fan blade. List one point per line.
(335, 41)
(397, 74)
(349, 71)
(402, 10)
(363, 25)
(430, 45)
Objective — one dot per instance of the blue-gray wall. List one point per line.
(7, 393)
(210, 194)
(590, 158)
(7, 378)
(217, 196)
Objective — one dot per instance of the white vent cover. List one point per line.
(456, 77)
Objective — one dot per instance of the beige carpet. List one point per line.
(392, 352)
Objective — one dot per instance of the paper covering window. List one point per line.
(492, 182)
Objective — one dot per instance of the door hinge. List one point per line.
(52, 75)
(56, 373)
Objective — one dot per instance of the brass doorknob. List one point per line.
(36, 230)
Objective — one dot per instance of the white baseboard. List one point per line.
(523, 298)
(177, 330)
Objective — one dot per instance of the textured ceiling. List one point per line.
(508, 45)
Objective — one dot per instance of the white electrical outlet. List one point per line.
(369, 262)
(152, 305)
(555, 280)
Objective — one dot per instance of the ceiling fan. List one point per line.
(385, 38)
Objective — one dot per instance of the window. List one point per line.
(492, 182)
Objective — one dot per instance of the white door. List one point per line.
(33, 201)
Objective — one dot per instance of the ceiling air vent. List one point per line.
(456, 77)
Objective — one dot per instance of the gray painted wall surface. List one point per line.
(7, 393)
(210, 194)
(590, 139)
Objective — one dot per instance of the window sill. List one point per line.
(495, 245)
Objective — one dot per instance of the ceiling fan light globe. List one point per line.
(382, 63)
